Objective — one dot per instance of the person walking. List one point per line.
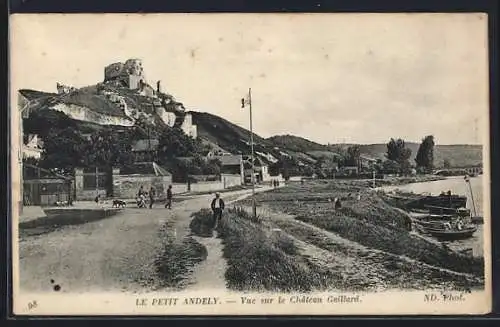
(217, 208)
(338, 204)
(151, 197)
(168, 204)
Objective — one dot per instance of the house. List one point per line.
(33, 148)
(42, 187)
(261, 170)
(232, 164)
(145, 150)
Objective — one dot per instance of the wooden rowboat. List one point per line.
(437, 229)
(452, 235)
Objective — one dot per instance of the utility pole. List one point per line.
(244, 102)
(97, 180)
(254, 206)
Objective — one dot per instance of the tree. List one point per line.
(353, 155)
(45, 121)
(391, 167)
(64, 150)
(212, 167)
(425, 154)
(399, 153)
(174, 143)
(446, 163)
(108, 148)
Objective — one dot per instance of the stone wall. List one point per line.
(113, 71)
(130, 72)
(187, 126)
(229, 180)
(134, 81)
(127, 186)
(179, 188)
(85, 114)
(167, 117)
(206, 186)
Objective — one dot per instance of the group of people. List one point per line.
(143, 195)
(276, 183)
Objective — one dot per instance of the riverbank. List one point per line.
(301, 243)
(397, 181)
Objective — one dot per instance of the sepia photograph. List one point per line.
(235, 164)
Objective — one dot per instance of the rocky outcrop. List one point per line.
(121, 99)
(64, 89)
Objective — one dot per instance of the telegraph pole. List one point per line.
(254, 207)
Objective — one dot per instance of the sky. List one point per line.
(331, 78)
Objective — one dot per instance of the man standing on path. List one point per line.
(217, 208)
(151, 197)
(168, 204)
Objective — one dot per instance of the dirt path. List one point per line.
(210, 274)
(114, 254)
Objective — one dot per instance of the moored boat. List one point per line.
(451, 228)
(452, 201)
(452, 235)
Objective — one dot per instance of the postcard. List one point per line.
(250, 164)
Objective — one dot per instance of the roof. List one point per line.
(31, 172)
(146, 145)
(33, 94)
(230, 160)
(145, 168)
(258, 162)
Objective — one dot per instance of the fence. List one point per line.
(91, 182)
(46, 192)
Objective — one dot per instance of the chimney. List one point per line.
(158, 86)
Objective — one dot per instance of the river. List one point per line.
(456, 185)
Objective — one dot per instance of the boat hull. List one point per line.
(443, 201)
(453, 235)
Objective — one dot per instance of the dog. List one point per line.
(119, 204)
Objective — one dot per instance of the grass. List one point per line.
(177, 260)
(370, 222)
(202, 224)
(264, 260)
(284, 255)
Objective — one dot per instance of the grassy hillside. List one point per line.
(296, 143)
(233, 138)
(225, 134)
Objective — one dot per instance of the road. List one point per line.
(116, 253)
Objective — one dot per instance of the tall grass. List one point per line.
(175, 263)
(371, 222)
(261, 259)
